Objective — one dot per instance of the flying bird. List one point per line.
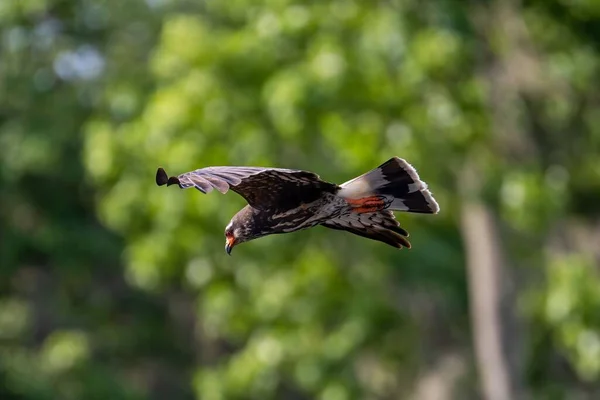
(288, 200)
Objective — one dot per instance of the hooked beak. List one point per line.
(229, 243)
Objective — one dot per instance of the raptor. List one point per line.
(287, 200)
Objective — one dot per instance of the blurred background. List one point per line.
(113, 288)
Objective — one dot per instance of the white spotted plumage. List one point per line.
(285, 200)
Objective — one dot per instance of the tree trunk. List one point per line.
(484, 269)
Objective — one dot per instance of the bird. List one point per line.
(287, 200)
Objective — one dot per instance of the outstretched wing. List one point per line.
(263, 188)
(381, 226)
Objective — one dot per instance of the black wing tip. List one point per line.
(163, 179)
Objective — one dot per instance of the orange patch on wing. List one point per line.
(367, 204)
(354, 202)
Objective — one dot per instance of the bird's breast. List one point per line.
(307, 215)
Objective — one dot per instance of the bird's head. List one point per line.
(240, 229)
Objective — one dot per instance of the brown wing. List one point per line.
(263, 188)
(381, 226)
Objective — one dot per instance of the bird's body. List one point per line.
(305, 215)
(283, 200)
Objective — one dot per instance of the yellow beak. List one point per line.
(229, 243)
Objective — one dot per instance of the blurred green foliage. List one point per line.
(113, 288)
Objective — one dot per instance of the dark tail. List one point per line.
(397, 181)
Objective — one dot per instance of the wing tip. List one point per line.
(400, 241)
(163, 179)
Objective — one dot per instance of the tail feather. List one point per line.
(398, 182)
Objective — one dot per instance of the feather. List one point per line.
(263, 188)
(399, 182)
(380, 226)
